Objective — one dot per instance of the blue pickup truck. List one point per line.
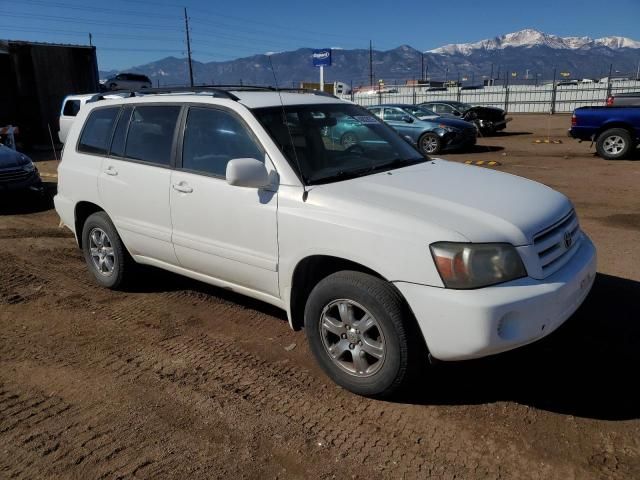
(615, 130)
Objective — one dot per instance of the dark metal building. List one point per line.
(35, 78)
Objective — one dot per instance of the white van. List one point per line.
(382, 254)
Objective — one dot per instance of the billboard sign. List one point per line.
(321, 57)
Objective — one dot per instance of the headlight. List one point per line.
(474, 265)
(29, 167)
(447, 128)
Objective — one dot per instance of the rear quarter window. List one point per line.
(96, 134)
(71, 108)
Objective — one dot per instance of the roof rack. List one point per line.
(220, 91)
(214, 91)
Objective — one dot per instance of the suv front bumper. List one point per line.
(466, 324)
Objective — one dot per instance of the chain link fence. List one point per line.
(556, 97)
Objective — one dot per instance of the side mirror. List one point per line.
(407, 119)
(247, 172)
(456, 113)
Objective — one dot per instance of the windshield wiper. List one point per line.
(341, 175)
(357, 172)
(397, 163)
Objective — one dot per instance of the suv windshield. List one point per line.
(331, 142)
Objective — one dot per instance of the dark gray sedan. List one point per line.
(17, 171)
(428, 131)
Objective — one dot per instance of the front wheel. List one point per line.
(430, 144)
(358, 330)
(614, 144)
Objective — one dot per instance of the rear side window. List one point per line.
(151, 131)
(96, 134)
(212, 138)
(71, 108)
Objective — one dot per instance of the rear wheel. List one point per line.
(430, 143)
(104, 252)
(358, 330)
(614, 144)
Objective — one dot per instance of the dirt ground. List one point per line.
(176, 379)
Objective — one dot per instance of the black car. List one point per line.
(17, 172)
(489, 120)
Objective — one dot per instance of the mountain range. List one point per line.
(526, 54)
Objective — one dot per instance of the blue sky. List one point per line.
(132, 32)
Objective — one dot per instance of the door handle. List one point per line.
(182, 187)
(111, 171)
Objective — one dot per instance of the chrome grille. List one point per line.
(16, 175)
(556, 244)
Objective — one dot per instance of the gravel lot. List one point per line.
(177, 379)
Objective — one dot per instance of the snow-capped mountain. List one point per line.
(529, 54)
(535, 38)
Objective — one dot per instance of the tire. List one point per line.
(430, 144)
(106, 256)
(349, 139)
(614, 144)
(375, 358)
(113, 86)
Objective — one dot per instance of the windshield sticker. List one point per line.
(366, 119)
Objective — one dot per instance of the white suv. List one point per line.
(381, 254)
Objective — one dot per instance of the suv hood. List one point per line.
(480, 204)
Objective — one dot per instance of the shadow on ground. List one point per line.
(25, 202)
(587, 368)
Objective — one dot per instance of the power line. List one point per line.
(94, 32)
(206, 13)
(83, 21)
(108, 11)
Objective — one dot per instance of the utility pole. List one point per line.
(186, 26)
(370, 63)
(422, 68)
(638, 71)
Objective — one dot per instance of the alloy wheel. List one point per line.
(613, 145)
(101, 251)
(352, 338)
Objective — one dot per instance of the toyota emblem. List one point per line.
(568, 240)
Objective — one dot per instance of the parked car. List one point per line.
(615, 130)
(70, 108)
(489, 120)
(127, 81)
(624, 99)
(382, 254)
(429, 132)
(18, 172)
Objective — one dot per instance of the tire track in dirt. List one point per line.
(50, 436)
(158, 340)
(365, 430)
(17, 286)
